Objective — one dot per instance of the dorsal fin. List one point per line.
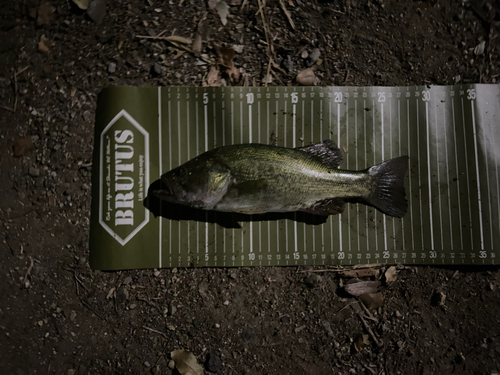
(327, 151)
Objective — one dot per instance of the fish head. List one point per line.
(198, 183)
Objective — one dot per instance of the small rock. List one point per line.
(71, 372)
(122, 294)
(312, 280)
(127, 280)
(85, 187)
(438, 298)
(304, 54)
(112, 67)
(97, 10)
(171, 364)
(34, 172)
(390, 274)
(156, 70)
(147, 364)
(132, 306)
(226, 303)
(197, 44)
(314, 56)
(307, 77)
(172, 309)
(287, 63)
(238, 48)
(328, 327)
(82, 261)
(268, 79)
(86, 115)
(213, 363)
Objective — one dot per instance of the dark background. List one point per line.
(59, 317)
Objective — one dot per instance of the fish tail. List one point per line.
(388, 191)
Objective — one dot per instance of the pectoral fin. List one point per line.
(252, 187)
(332, 206)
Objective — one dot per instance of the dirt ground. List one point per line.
(57, 316)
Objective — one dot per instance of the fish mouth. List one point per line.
(165, 193)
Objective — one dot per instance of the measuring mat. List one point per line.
(450, 133)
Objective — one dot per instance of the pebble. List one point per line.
(172, 309)
(147, 364)
(285, 319)
(156, 69)
(111, 67)
(86, 115)
(287, 63)
(314, 56)
(34, 172)
(213, 362)
(312, 280)
(85, 187)
(171, 364)
(127, 280)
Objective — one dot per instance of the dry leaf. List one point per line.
(45, 14)
(372, 300)
(178, 39)
(223, 10)
(197, 43)
(213, 78)
(361, 272)
(390, 274)
(186, 363)
(44, 45)
(212, 4)
(267, 79)
(357, 287)
(360, 341)
(479, 50)
(22, 146)
(82, 4)
(307, 78)
(226, 56)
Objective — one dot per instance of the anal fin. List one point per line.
(331, 206)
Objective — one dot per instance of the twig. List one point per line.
(25, 280)
(149, 303)
(6, 108)
(155, 331)
(323, 270)
(91, 309)
(15, 85)
(368, 313)
(367, 327)
(287, 14)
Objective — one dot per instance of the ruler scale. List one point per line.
(451, 134)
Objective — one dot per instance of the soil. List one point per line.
(57, 316)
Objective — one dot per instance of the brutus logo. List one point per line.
(124, 176)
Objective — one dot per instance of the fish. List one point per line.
(257, 179)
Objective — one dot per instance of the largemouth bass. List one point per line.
(257, 178)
